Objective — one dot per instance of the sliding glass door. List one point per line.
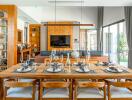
(122, 45)
(115, 43)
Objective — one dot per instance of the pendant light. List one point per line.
(81, 11)
(80, 24)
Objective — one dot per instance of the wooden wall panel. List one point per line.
(12, 33)
(60, 30)
(36, 38)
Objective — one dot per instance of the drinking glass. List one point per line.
(21, 60)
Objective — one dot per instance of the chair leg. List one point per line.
(109, 92)
(40, 92)
(104, 92)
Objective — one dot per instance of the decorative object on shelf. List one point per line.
(3, 38)
(34, 50)
(34, 30)
(34, 37)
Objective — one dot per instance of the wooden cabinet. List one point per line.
(60, 30)
(9, 30)
(34, 36)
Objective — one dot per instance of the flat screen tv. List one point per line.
(60, 41)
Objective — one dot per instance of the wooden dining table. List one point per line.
(68, 73)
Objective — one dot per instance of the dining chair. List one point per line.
(86, 90)
(15, 90)
(119, 90)
(55, 90)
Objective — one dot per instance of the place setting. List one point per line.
(54, 67)
(115, 69)
(82, 67)
(99, 63)
(27, 67)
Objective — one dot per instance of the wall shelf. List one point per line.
(4, 38)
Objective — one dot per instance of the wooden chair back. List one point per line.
(91, 84)
(55, 84)
(126, 84)
(87, 84)
(16, 84)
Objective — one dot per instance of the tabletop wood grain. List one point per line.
(99, 73)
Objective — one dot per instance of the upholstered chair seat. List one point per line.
(20, 92)
(89, 93)
(56, 93)
(15, 90)
(55, 90)
(119, 92)
(86, 90)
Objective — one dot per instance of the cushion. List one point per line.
(56, 93)
(92, 53)
(64, 53)
(89, 93)
(20, 92)
(45, 53)
(117, 92)
(96, 53)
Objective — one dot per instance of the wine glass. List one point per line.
(21, 59)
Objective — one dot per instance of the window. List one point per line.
(115, 43)
(105, 41)
(92, 40)
(88, 40)
(123, 47)
(82, 39)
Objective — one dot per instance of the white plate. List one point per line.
(80, 71)
(59, 64)
(114, 71)
(25, 70)
(51, 70)
(76, 64)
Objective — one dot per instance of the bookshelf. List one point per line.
(3, 39)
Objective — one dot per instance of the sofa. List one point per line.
(44, 54)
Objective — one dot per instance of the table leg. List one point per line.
(1, 89)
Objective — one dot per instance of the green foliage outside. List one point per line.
(123, 48)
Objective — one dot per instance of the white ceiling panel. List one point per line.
(68, 2)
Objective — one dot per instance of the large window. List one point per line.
(88, 40)
(115, 43)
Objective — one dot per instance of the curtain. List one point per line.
(100, 28)
(128, 18)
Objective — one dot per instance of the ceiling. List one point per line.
(68, 2)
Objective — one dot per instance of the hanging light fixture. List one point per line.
(55, 11)
(55, 24)
(81, 10)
